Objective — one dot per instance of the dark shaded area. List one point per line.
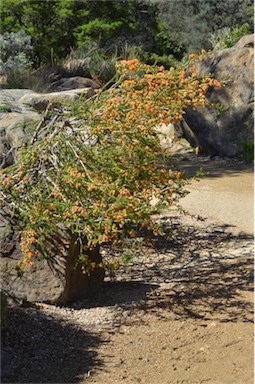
(208, 272)
(41, 349)
(210, 166)
(193, 272)
(118, 293)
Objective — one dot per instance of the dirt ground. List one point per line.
(195, 324)
(180, 313)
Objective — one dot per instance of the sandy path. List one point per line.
(198, 327)
(227, 200)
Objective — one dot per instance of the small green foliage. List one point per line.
(19, 269)
(86, 264)
(4, 108)
(200, 173)
(248, 150)
(167, 61)
(219, 108)
(227, 37)
(7, 231)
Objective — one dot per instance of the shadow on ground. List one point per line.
(208, 274)
(195, 271)
(210, 166)
(53, 352)
(192, 272)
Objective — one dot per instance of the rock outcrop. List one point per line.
(55, 279)
(39, 101)
(21, 107)
(221, 131)
(76, 82)
(15, 123)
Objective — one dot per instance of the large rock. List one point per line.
(53, 280)
(40, 101)
(221, 131)
(15, 123)
(9, 100)
(21, 107)
(76, 82)
(15, 129)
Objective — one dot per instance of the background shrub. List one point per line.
(190, 23)
(96, 33)
(15, 60)
(227, 37)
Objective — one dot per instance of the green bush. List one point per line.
(167, 61)
(108, 23)
(227, 37)
(189, 24)
(5, 108)
(248, 150)
(91, 61)
(15, 50)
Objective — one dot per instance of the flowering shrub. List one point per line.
(95, 168)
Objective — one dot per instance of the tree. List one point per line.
(57, 26)
(43, 21)
(95, 171)
(190, 23)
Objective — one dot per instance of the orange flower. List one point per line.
(90, 187)
(52, 207)
(124, 192)
(31, 240)
(132, 67)
(28, 263)
(155, 231)
(178, 175)
(132, 233)
(105, 238)
(216, 83)
(74, 209)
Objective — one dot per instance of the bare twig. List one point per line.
(41, 126)
(52, 182)
(81, 162)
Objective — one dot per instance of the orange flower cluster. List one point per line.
(28, 241)
(131, 65)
